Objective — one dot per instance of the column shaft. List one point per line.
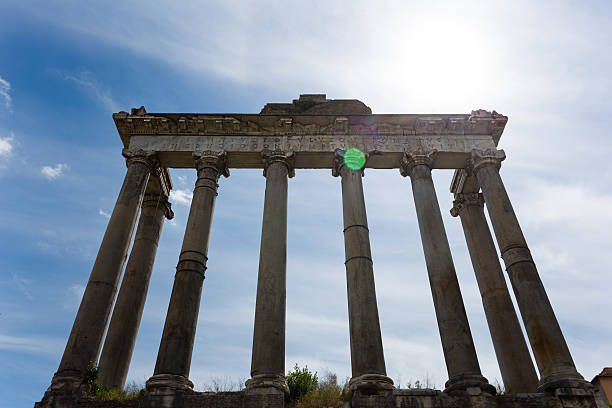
(515, 364)
(89, 325)
(176, 347)
(552, 355)
(367, 357)
(127, 313)
(268, 359)
(457, 344)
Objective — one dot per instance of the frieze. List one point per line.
(313, 138)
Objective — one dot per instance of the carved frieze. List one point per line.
(313, 138)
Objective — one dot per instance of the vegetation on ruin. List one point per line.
(95, 391)
(327, 393)
(300, 382)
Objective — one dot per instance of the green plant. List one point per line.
(327, 393)
(96, 391)
(300, 382)
(91, 380)
(118, 394)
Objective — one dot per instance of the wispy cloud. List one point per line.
(23, 284)
(5, 88)
(104, 213)
(94, 88)
(6, 144)
(52, 173)
(39, 345)
(181, 196)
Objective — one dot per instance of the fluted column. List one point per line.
(127, 313)
(174, 356)
(557, 369)
(89, 325)
(515, 364)
(268, 359)
(367, 358)
(457, 344)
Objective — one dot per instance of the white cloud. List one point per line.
(39, 345)
(96, 90)
(6, 144)
(53, 172)
(23, 284)
(5, 88)
(104, 213)
(181, 196)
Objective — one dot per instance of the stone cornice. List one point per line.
(140, 122)
(313, 138)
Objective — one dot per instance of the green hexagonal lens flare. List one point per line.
(354, 159)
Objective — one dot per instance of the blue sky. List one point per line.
(65, 66)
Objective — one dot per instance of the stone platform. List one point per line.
(398, 398)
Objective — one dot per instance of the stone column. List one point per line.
(557, 369)
(515, 364)
(457, 344)
(124, 324)
(174, 357)
(268, 361)
(367, 358)
(89, 325)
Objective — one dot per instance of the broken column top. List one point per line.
(317, 104)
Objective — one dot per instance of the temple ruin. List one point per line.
(316, 132)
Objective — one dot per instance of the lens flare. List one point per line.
(354, 159)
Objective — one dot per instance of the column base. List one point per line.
(166, 383)
(370, 384)
(67, 382)
(167, 390)
(473, 384)
(566, 386)
(278, 382)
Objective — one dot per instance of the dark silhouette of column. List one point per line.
(457, 344)
(515, 364)
(174, 357)
(557, 369)
(268, 360)
(127, 313)
(367, 357)
(85, 339)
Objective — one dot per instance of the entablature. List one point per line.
(312, 138)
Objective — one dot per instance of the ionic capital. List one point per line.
(411, 160)
(148, 158)
(481, 158)
(279, 156)
(158, 200)
(211, 159)
(464, 200)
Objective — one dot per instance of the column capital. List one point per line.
(278, 156)
(214, 159)
(146, 157)
(462, 200)
(158, 200)
(481, 158)
(410, 160)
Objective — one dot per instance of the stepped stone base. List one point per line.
(398, 398)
